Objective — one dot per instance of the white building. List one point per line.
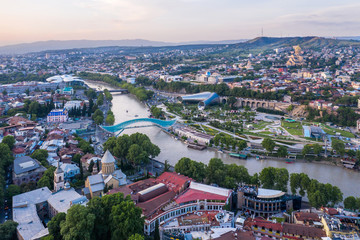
(58, 115)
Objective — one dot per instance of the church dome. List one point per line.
(108, 158)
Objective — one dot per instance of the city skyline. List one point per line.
(180, 21)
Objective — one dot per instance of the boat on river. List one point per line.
(289, 160)
(238, 155)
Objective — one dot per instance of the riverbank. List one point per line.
(173, 150)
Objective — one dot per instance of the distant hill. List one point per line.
(260, 43)
(70, 44)
(77, 44)
(304, 42)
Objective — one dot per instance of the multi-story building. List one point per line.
(265, 202)
(58, 115)
(27, 170)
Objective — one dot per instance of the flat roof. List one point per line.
(269, 193)
(62, 200)
(210, 189)
(24, 212)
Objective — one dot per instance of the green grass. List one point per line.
(210, 131)
(260, 125)
(294, 128)
(343, 133)
(266, 132)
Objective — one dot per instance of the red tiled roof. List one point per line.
(194, 195)
(173, 181)
(266, 224)
(151, 206)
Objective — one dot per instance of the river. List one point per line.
(126, 107)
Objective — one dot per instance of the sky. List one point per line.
(174, 20)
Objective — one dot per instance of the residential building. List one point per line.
(26, 170)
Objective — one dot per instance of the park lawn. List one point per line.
(330, 131)
(294, 128)
(210, 131)
(260, 125)
(266, 132)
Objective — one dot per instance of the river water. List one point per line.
(126, 107)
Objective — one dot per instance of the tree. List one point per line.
(350, 203)
(91, 166)
(215, 171)
(9, 140)
(76, 158)
(316, 199)
(47, 180)
(110, 119)
(136, 236)
(13, 190)
(338, 146)
(6, 157)
(125, 220)
(54, 225)
(282, 151)
(41, 155)
(157, 231)
(317, 148)
(136, 155)
(166, 166)
(306, 150)
(241, 145)
(274, 178)
(98, 117)
(8, 230)
(268, 144)
(79, 223)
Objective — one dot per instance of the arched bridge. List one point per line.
(118, 128)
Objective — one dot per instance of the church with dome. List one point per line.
(108, 176)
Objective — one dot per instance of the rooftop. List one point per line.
(269, 193)
(25, 164)
(62, 200)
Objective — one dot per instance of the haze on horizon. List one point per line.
(174, 20)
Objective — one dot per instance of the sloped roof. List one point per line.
(108, 157)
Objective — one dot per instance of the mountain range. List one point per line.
(72, 44)
(256, 43)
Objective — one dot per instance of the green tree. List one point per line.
(54, 225)
(6, 157)
(306, 150)
(268, 144)
(136, 155)
(8, 230)
(98, 117)
(350, 203)
(282, 151)
(13, 190)
(215, 171)
(100, 99)
(9, 140)
(241, 145)
(79, 223)
(157, 231)
(110, 119)
(125, 220)
(338, 146)
(316, 199)
(41, 155)
(47, 180)
(317, 148)
(76, 158)
(136, 236)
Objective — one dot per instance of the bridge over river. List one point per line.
(119, 128)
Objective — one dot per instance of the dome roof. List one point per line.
(108, 158)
